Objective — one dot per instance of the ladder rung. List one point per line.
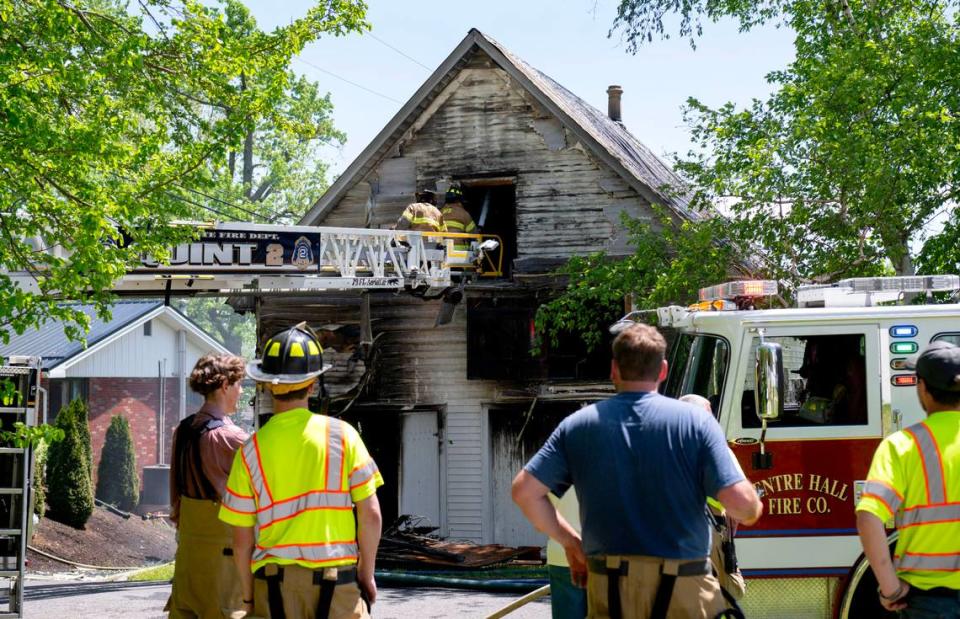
(11, 490)
(14, 410)
(10, 531)
(11, 450)
(9, 574)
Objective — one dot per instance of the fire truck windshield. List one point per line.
(698, 364)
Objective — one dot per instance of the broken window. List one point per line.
(500, 338)
(493, 205)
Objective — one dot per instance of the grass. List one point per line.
(159, 572)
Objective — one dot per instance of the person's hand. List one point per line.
(368, 586)
(578, 563)
(899, 597)
(732, 524)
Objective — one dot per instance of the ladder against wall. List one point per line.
(19, 400)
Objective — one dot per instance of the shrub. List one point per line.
(83, 426)
(117, 479)
(69, 491)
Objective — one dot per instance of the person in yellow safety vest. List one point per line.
(291, 494)
(205, 582)
(914, 481)
(456, 218)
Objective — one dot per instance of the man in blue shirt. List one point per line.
(642, 466)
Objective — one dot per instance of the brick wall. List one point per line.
(137, 399)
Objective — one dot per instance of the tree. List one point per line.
(69, 490)
(118, 482)
(671, 261)
(113, 123)
(855, 151)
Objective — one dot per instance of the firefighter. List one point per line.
(205, 581)
(456, 218)
(290, 497)
(642, 466)
(420, 217)
(914, 481)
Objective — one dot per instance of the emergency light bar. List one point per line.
(907, 283)
(739, 289)
(868, 291)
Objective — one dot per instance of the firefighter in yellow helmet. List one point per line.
(290, 496)
(456, 218)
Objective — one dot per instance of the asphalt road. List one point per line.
(45, 600)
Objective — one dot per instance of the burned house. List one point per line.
(451, 412)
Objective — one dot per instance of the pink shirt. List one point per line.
(217, 448)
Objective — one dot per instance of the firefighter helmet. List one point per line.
(454, 194)
(291, 360)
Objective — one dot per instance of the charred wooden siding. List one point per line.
(484, 123)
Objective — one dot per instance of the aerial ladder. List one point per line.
(229, 259)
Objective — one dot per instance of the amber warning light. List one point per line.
(741, 289)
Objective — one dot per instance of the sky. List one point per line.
(566, 39)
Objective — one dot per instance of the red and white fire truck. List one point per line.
(832, 383)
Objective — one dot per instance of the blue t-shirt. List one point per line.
(642, 466)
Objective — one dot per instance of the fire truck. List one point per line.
(804, 396)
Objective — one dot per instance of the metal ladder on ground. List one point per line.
(16, 478)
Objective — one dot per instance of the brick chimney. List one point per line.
(614, 93)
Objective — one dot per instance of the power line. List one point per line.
(343, 79)
(399, 51)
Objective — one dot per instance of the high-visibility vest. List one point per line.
(421, 217)
(915, 481)
(296, 480)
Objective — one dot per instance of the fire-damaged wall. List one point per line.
(484, 124)
(517, 431)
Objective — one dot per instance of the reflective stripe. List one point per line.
(251, 457)
(308, 552)
(289, 508)
(879, 490)
(932, 466)
(239, 504)
(363, 473)
(334, 454)
(422, 220)
(934, 562)
(929, 514)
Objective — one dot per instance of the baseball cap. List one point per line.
(938, 365)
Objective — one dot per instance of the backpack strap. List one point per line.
(188, 459)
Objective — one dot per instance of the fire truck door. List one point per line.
(821, 445)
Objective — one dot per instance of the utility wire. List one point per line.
(343, 79)
(399, 51)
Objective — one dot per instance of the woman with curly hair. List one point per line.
(205, 583)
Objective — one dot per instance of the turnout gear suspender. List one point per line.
(188, 453)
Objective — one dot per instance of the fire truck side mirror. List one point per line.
(770, 381)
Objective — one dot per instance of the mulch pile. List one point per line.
(108, 540)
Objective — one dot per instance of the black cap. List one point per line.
(938, 365)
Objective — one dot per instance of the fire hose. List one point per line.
(514, 605)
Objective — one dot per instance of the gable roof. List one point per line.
(51, 344)
(607, 139)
